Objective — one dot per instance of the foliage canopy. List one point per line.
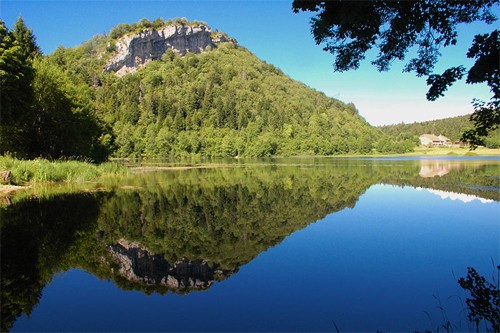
(44, 112)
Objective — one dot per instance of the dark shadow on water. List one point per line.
(181, 231)
(36, 238)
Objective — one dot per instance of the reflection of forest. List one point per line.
(476, 178)
(36, 238)
(182, 230)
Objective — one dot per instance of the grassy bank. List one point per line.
(434, 151)
(25, 172)
(454, 151)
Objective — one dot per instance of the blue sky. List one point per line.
(275, 34)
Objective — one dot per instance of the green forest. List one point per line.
(453, 128)
(222, 102)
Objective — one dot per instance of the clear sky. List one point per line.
(275, 34)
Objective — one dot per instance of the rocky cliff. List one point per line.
(138, 264)
(135, 50)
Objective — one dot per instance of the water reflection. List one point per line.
(138, 264)
(466, 198)
(38, 240)
(441, 167)
(180, 231)
(430, 169)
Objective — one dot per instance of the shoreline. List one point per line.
(146, 168)
(7, 189)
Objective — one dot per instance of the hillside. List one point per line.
(209, 96)
(169, 88)
(450, 127)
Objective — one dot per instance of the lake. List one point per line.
(317, 244)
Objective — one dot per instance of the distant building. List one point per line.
(445, 141)
(434, 140)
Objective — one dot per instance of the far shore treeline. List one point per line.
(453, 128)
(224, 102)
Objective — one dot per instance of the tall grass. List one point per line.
(42, 170)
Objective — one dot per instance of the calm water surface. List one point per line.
(278, 245)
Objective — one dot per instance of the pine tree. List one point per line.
(25, 39)
(16, 77)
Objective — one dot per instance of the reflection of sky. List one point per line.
(457, 196)
(386, 264)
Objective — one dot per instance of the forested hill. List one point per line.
(453, 128)
(226, 102)
(201, 94)
(449, 127)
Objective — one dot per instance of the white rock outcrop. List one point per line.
(135, 50)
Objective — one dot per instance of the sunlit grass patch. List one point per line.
(42, 170)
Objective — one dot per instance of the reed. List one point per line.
(41, 170)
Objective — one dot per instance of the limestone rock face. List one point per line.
(138, 264)
(135, 50)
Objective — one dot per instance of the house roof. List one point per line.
(431, 137)
(434, 137)
(443, 138)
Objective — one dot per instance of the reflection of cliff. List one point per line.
(169, 232)
(226, 216)
(138, 264)
(179, 231)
